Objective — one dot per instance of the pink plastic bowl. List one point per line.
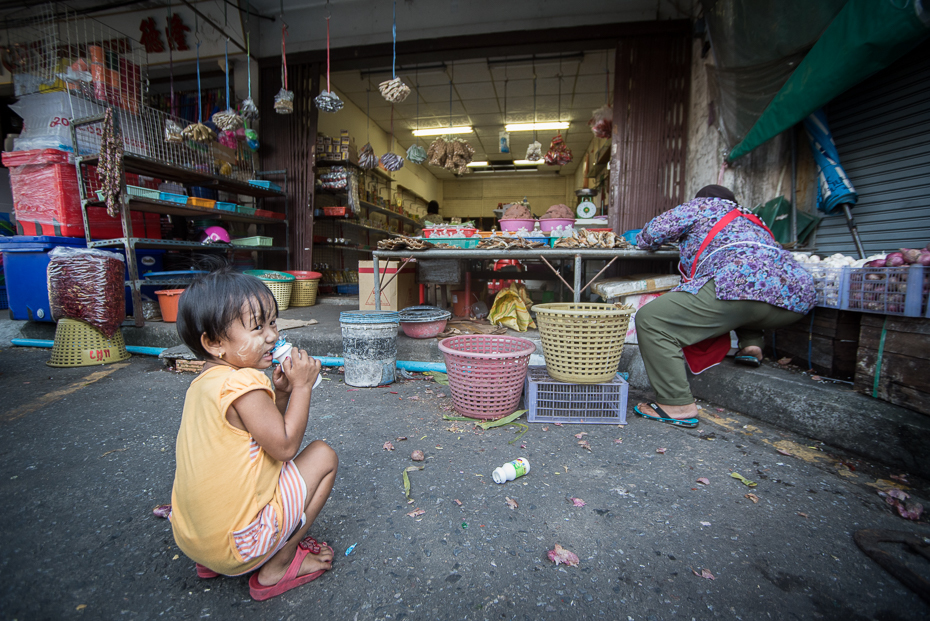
(515, 224)
(546, 226)
(423, 330)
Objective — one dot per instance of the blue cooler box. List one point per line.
(25, 262)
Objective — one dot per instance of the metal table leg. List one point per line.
(577, 288)
(377, 283)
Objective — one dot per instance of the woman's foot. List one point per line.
(321, 560)
(677, 412)
(750, 356)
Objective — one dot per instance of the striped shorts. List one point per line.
(264, 537)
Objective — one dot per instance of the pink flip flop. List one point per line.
(204, 572)
(291, 579)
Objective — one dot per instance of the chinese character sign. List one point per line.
(177, 40)
(151, 37)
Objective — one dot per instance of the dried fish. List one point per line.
(198, 132)
(402, 242)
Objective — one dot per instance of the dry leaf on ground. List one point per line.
(752, 497)
(704, 574)
(458, 502)
(578, 502)
(581, 435)
(783, 452)
(584, 444)
(387, 446)
(703, 481)
(661, 450)
(511, 503)
(416, 512)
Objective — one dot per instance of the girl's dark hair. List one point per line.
(716, 191)
(213, 301)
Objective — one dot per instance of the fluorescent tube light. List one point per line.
(528, 127)
(477, 164)
(442, 131)
(529, 162)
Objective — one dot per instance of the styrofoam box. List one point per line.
(549, 400)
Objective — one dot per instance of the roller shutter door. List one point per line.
(882, 132)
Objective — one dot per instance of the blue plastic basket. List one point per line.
(172, 198)
(226, 206)
(552, 401)
(347, 289)
(262, 183)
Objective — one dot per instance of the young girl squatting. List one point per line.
(244, 493)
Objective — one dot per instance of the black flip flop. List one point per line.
(665, 418)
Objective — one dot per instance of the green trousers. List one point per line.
(678, 318)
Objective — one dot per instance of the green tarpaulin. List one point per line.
(866, 36)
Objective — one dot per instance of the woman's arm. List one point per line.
(670, 226)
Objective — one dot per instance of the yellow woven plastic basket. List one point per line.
(79, 344)
(304, 292)
(280, 283)
(582, 342)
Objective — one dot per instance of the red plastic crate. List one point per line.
(338, 211)
(264, 213)
(102, 226)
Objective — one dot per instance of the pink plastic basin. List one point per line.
(546, 226)
(423, 330)
(515, 224)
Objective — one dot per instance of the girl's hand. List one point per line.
(281, 384)
(300, 369)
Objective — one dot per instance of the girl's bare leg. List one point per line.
(317, 465)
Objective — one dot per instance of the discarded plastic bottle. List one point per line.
(511, 470)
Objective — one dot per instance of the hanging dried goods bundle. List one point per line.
(436, 154)
(227, 120)
(173, 132)
(392, 162)
(328, 101)
(87, 284)
(602, 121)
(395, 91)
(462, 153)
(558, 154)
(110, 168)
(198, 132)
(367, 158)
(534, 151)
(248, 110)
(416, 154)
(227, 139)
(284, 102)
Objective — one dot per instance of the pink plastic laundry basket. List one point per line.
(486, 373)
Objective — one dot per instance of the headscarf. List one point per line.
(716, 191)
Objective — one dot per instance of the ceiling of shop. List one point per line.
(486, 93)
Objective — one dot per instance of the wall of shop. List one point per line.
(476, 198)
(756, 178)
(415, 177)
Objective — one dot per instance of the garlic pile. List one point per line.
(835, 260)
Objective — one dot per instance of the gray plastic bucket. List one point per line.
(369, 347)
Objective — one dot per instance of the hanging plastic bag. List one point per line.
(284, 102)
(392, 162)
(228, 139)
(248, 110)
(327, 101)
(602, 121)
(395, 91)
(227, 120)
(87, 284)
(534, 151)
(558, 154)
(173, 132)
(251, 139)
(367, 158)
(416, 154)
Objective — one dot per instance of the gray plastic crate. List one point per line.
(551, 401)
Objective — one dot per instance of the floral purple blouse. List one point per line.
(743, 259)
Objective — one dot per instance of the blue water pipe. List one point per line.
(326, 361)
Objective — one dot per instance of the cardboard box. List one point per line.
(630, 285)
(401, 291)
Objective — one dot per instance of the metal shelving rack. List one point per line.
(153, 167)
